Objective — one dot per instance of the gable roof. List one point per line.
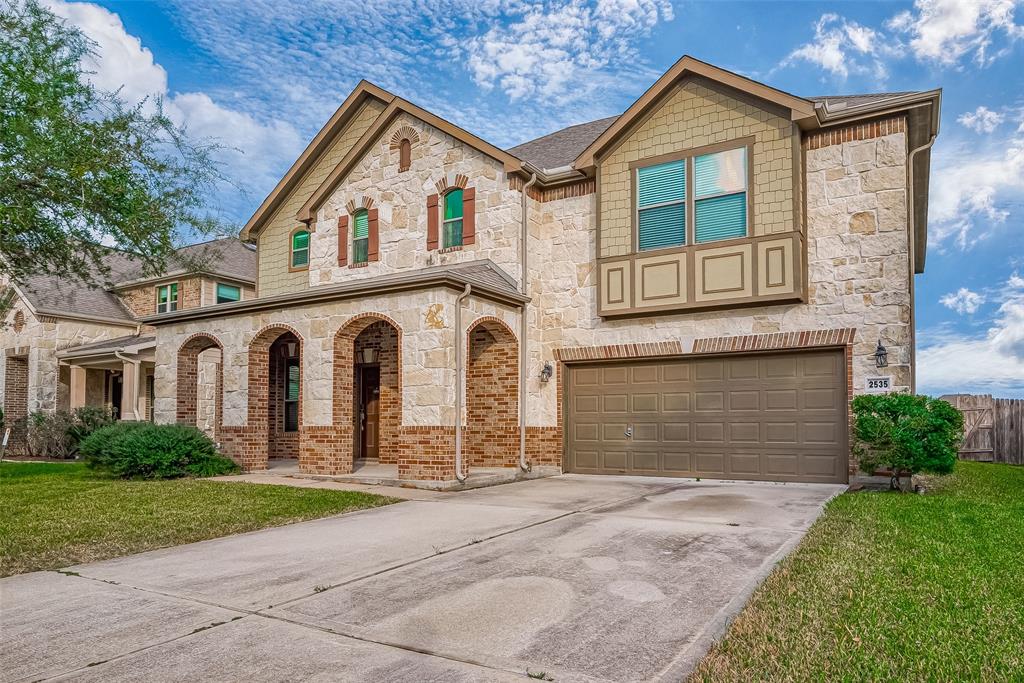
(396, 107)
(228, 257)
(51, 295)
(363, 91)
(800, 110)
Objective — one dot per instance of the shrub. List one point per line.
(147, 451)
(58, 434)
(906, 433)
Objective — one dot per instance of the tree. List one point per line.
(906, 433)
(80, 169)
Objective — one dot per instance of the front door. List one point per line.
(369, 412)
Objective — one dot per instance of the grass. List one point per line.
(54, 515)
(890, 586)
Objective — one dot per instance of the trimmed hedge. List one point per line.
(142, 450)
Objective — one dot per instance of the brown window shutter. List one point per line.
(373, 241)
(343, 240)
(469, 215)
(432, 222)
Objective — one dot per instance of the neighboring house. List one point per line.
(67, 345)
(707, 277)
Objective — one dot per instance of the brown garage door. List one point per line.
(776, 417)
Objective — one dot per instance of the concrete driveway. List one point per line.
(583, 578)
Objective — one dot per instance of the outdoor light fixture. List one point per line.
(290, 349)
(881, 355)
(369, 355)
(546, 372)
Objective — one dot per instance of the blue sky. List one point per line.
(263, 75)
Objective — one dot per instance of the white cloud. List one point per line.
(981, 120)
(971, 188)
(944, 31)
(253, 151)
(963, 301)
(843, 47)
(994, 362)
(553, 51)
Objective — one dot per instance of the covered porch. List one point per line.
(116, 374)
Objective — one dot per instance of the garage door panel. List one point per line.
(648, 461)
(675, 402)
(677, 463)
(676, 432)
(758, 416)
(709, 401)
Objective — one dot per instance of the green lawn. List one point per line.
(57, 514)
(888, 586)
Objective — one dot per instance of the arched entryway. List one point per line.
(275, 394)
(368, 390)
(491, 436)
(200, 384)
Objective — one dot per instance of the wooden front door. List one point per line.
(369, 412)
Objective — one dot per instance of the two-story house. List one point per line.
(68, 345)
(696, 287)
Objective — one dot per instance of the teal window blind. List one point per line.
(720, 195)
(453, 219)
(228, 293)
(291, 396)
(361, 237)
(661, 205)
(300, 249)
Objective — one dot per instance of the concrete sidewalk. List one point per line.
(582, 578)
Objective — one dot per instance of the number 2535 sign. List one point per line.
(878, 385)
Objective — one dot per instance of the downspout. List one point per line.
(138, 371)
(912, 254)
(523, 464)
(458, 382)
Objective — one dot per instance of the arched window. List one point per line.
(300, 249)
(452, 229)
(361, 236)
(404, 155)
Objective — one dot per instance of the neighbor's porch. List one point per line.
(116, 374)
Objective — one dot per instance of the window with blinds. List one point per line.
(452, 219)
(720, 195)
(661, 205)
(291, 395)
(300, 249)
(361, 237)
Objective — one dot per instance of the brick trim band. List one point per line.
(777, 340)
(858, 131)
(615, 351)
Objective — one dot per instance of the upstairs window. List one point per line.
(228, 293)
(167, 298)
(452, 228)
(661, 205)
(720, 195)
(361, 237)
(300, 250)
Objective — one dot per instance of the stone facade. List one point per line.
(856, 276)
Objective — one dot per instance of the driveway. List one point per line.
(582, 578)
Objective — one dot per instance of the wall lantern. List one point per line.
(290, 349)
(368, 355)
(881, 355)
(546, 372)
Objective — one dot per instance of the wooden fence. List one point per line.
(993, 427)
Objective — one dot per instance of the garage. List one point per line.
(769, 417)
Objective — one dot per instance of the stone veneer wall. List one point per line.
(401, 201)
(274, 248)
(697, 114)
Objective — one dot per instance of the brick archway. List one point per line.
(492, 394)
(381, 333)
(264, 438)
(190, 367)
